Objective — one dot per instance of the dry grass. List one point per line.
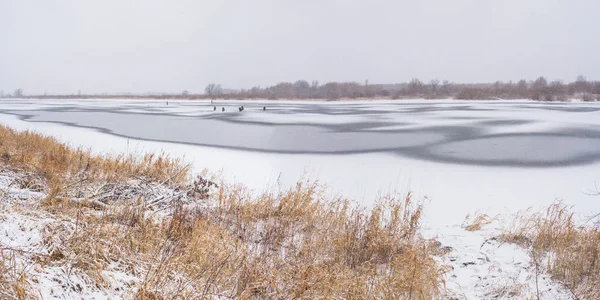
(570, 253)
(60, 164)
(227, 243)
(288, 245)
(13, 283)
(476, 222)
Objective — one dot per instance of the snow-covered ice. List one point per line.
(494, 157)
(459, 156)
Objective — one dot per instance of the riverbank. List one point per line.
(74, 224)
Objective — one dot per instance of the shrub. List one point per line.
(588, 97)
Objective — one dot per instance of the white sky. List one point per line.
(63, 46)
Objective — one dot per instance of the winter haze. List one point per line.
(168, 46)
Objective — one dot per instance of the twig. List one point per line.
(78, 182)
(7, 295)
(212, 276)
(537, 287)
(186, 168)
(166, 199)
(2, 248)
(596, 192)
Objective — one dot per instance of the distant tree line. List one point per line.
(18, 93)
(539, 89)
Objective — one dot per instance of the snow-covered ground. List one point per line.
(460, 157)
(492, 157)
(23, 228)
(483, 268)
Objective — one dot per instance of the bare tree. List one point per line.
(213, 90)
(446, 88)
(256, 92)
(353, 90)
(540, 83)
(556, 91)
(368, 92)
(314, 89)
(581, 85)
(302, 89)
(415, 87)
(433, 85)
(282, 90)
(18, 93)
(331, 90)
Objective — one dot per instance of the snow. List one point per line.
(483, 268)
(21, 233)
(451, 190)
(57, 283)
(16, 231)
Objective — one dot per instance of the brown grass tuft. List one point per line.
(476, 222)
(569, 252)
(13, 283)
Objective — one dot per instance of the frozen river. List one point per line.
(522, 134)
(491, 152)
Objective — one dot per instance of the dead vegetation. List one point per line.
(60, 164)
(13, 284)
(476, 221)
(569, 252)
(193, 239)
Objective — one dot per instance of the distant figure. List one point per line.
(240, 108)
(214, 108)
(167, 103)
(223, 109)
(264, 108)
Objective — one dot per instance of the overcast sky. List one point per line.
(113, 46)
